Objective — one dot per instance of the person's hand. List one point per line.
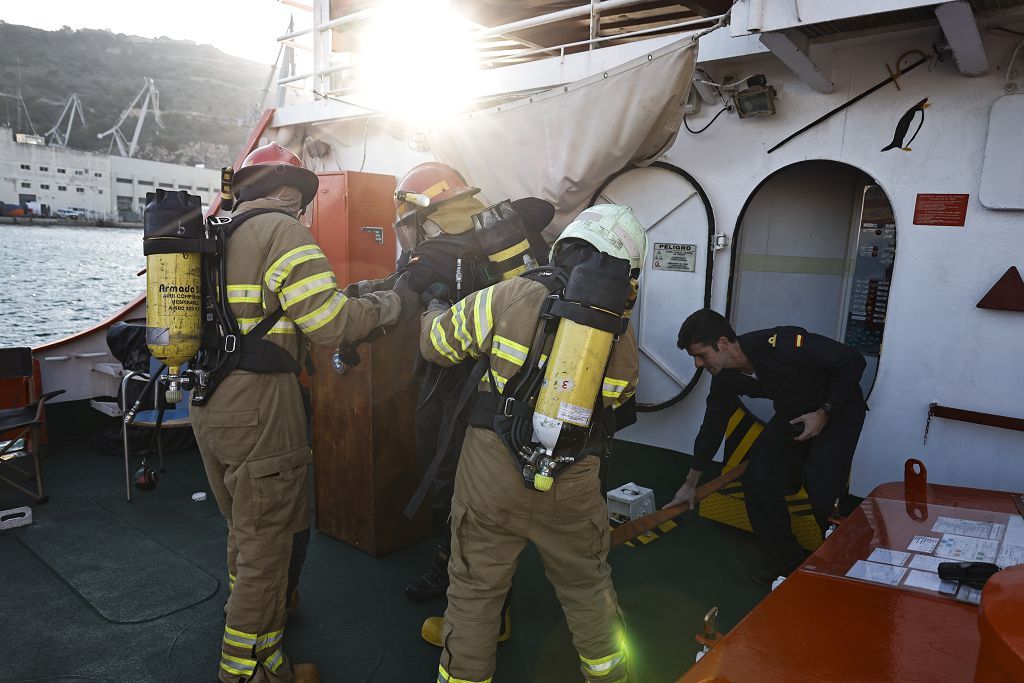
(813, 424)
(687, 493)
(437, 292)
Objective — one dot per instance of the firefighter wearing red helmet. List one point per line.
(252, 432)
(451, 203)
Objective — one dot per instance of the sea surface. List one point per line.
(57, 280)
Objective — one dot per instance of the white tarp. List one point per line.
(561, 144)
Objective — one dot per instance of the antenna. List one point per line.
(54, 136)
(21, 107)
(150, 94)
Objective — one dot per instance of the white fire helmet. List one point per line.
(610, 228)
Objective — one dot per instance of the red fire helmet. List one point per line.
(439, 182)
(270, 167)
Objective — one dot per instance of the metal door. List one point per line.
(676, 279)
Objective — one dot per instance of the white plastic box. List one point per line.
(629, 502)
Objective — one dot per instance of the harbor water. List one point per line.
(56, 281)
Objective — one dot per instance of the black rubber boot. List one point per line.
(433, 583)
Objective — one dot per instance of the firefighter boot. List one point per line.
(305, 673)
(433, 628)
(434, 582)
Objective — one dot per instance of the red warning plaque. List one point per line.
(941, 209)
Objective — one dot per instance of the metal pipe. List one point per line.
(602, 39)
(361, 15)
(552, 17)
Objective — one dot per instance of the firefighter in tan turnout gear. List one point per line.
(252, 431)
(556, 357)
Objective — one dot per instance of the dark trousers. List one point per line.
(777, 466)
(439, 391)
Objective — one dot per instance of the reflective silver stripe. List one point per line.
(612, 388)
(323, 315)
(439, 341)
(274, 661)
(482, 314)
(461, 326)
(268, 639)
(602, 667)
(237, 665)
(282, 326)
(307, 287)
(242, 294)
(280, 269)
(246, 639)
(503, 347)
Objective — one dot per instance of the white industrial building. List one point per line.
(100, 186)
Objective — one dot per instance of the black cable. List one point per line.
(1002, 30)
(724, 109)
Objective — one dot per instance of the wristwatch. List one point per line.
(828, 409)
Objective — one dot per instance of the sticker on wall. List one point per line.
(903, 127)
(1007, 294)
(678, 257)
(941, 209)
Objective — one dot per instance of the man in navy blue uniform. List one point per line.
(814, 383)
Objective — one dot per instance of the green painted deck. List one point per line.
(97, 589)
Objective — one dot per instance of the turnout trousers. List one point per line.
(777, 466)
(493, 518)
(253, 439)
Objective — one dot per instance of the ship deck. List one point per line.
(98, 589)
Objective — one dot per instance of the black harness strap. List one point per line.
(447, 429)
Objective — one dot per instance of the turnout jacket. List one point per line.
(798, 370)
(272, 262)
(501, 322)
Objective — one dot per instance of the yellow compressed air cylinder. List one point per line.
(173, 307)
(572, 381)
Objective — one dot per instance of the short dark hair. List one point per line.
(705, 327)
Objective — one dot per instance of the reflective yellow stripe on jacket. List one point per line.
(280, 269)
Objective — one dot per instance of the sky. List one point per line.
(243, 28)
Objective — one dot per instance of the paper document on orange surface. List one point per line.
(967, 549)
(923, 544)
(930, 581)
(876, 572)
(969, 527)
(926, 563)
(886, 556)
(1012, 551)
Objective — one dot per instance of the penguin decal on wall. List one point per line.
(904, 125)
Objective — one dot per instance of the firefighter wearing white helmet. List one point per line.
(558, 362)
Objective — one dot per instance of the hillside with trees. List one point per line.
(208, 100)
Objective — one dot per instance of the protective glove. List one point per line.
(436, 292)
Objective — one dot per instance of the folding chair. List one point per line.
(16, 363)
(157, 418)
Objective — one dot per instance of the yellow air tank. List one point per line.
(173, 230)
(592, 314)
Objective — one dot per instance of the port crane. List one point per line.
(148, 94)
(54, 136)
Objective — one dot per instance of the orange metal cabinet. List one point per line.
(821, 626)
(364, 451)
